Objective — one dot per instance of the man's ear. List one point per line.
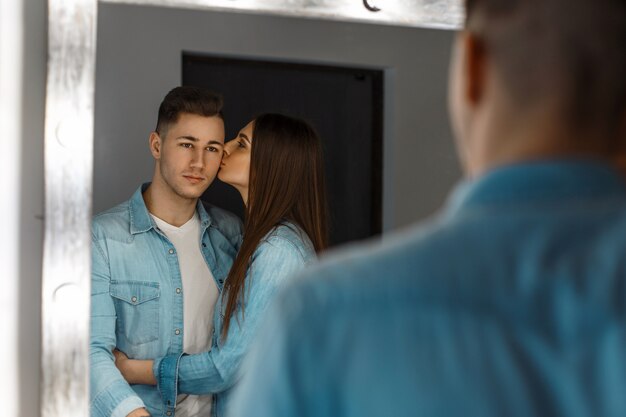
(155, 145)
(475, 67)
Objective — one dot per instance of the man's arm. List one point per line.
(110, 394)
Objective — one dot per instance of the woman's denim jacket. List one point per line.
(137, 296)
(283, 252)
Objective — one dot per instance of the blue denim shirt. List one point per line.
(137, 296)
(510, 303)
(283, 252)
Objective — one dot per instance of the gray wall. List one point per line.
(139, 60)
(32, 205)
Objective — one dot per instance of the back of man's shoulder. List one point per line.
(373, 272)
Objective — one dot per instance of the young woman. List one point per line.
(275, 163)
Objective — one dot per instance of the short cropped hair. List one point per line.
(571, 50)
(186, 99)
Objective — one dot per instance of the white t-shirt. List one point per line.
(199, 297)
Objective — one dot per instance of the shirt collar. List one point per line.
(140, 219)
(540, 181)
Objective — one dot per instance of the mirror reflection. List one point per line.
(289, 137)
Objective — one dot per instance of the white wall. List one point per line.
(139, 60)
(23, 46)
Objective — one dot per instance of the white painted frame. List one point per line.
(69, 163)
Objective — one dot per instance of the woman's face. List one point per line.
(235, 168)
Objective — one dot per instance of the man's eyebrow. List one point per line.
(187, 137)
(195, 139)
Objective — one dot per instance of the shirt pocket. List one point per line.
(137, 309)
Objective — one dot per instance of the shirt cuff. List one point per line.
(127, 406)
(165, 372)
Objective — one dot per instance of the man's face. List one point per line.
(189, 156)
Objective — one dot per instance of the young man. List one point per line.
(511, 302)
(160, 259)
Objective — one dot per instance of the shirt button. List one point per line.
(177, 290)
(171, 251)
(169, 413)
(133, 299)
(177, 331)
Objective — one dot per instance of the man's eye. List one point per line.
(241, 144)
(186, 145)
(213, 149)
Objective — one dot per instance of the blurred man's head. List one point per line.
(539, 78)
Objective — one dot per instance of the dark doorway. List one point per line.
(345, 105)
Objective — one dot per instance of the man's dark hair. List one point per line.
(570, 50)
(193, 100)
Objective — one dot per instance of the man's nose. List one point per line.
(198, 159)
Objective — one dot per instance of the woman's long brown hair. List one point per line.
(286, 183)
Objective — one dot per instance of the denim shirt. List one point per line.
(137, 296)
(511, 302)
(281, 253)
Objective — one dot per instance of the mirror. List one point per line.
(99, 113)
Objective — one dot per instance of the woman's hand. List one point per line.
(134, 371)
(119, 356)
(121, 361)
